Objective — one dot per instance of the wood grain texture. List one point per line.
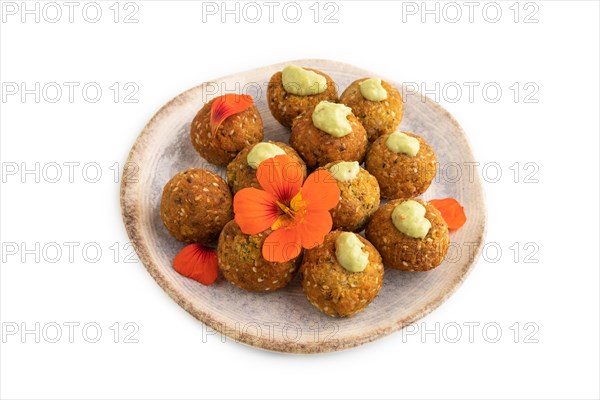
(285, 321)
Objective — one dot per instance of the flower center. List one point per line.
(291, 214)
(286, 210)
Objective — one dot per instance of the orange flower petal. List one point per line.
(320, 191)
(198, 263)
(282, 245)
(280, 176)
(452, 212)
(225, 106)
(255, 210)
(312, 231)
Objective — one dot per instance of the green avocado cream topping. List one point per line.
(302, 82)
(409, 218)
(349, 253)
(261, 151)
(399, 142)
(332, 118)
(371, 89)
(345, 171)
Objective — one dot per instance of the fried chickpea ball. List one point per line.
(240, 175)
(242, 264)
(403, 252)
(236, 132)
(377, 117)
(319, 148)
(285, 106)
(333, 289)
(195, 206)
(359, 199)
(401, 175)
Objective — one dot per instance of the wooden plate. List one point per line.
(284, 320)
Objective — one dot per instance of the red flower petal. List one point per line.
(198, 263)
(320, 191)
(255, 210)
(282, 245)
(225, 106)
(280, 176)
(452, 212)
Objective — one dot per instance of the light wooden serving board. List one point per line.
(284, 320)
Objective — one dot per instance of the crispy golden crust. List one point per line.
(333, 289)
(377, 117)
(286, 106)
(403, 252)
(400, 175)
(318, 148)
(242, 263)
(359, 199)
(240, 175)
(235, 133)
(195, 206)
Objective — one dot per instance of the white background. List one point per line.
(170, 50)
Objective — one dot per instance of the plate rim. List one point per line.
(131, 219)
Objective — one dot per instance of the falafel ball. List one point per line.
(400, 251)
(319, 148)
(236, 132)
(377, 117)
(401, 175)
(240, 175)
(286, 106)
(242, 264)
(195, 206)
(333, 289)
(359, 197)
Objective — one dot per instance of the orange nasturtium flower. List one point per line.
(298, 214)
